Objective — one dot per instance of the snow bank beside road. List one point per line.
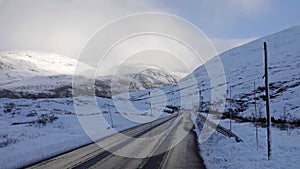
(221, 152)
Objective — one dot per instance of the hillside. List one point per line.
(28, 74)
(245, 64)
(242, 66)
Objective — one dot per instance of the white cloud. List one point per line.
(58, 26)
(64, 27)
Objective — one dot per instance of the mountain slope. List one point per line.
(30, 74)
(242, 66)
(245, 64)
(16, 66)
(133, 77)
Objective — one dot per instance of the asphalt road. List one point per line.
(171, 144)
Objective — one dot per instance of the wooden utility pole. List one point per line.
(230, 108)
(267, 102)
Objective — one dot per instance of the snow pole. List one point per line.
(255, 110)
(150, 107)
(112, 123)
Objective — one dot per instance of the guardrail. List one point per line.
(219, 128)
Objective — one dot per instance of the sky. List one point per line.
(65, 26)
(238, 19)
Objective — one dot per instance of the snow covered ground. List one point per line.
(221, 152)
(244, 65)
(52, 127)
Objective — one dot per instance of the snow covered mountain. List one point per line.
(17, 66)
(244, 65)
(133, 77)
(30, 74)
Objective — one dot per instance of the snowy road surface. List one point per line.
(150, 150)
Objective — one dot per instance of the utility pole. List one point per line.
(230, 108)
(267, 102)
